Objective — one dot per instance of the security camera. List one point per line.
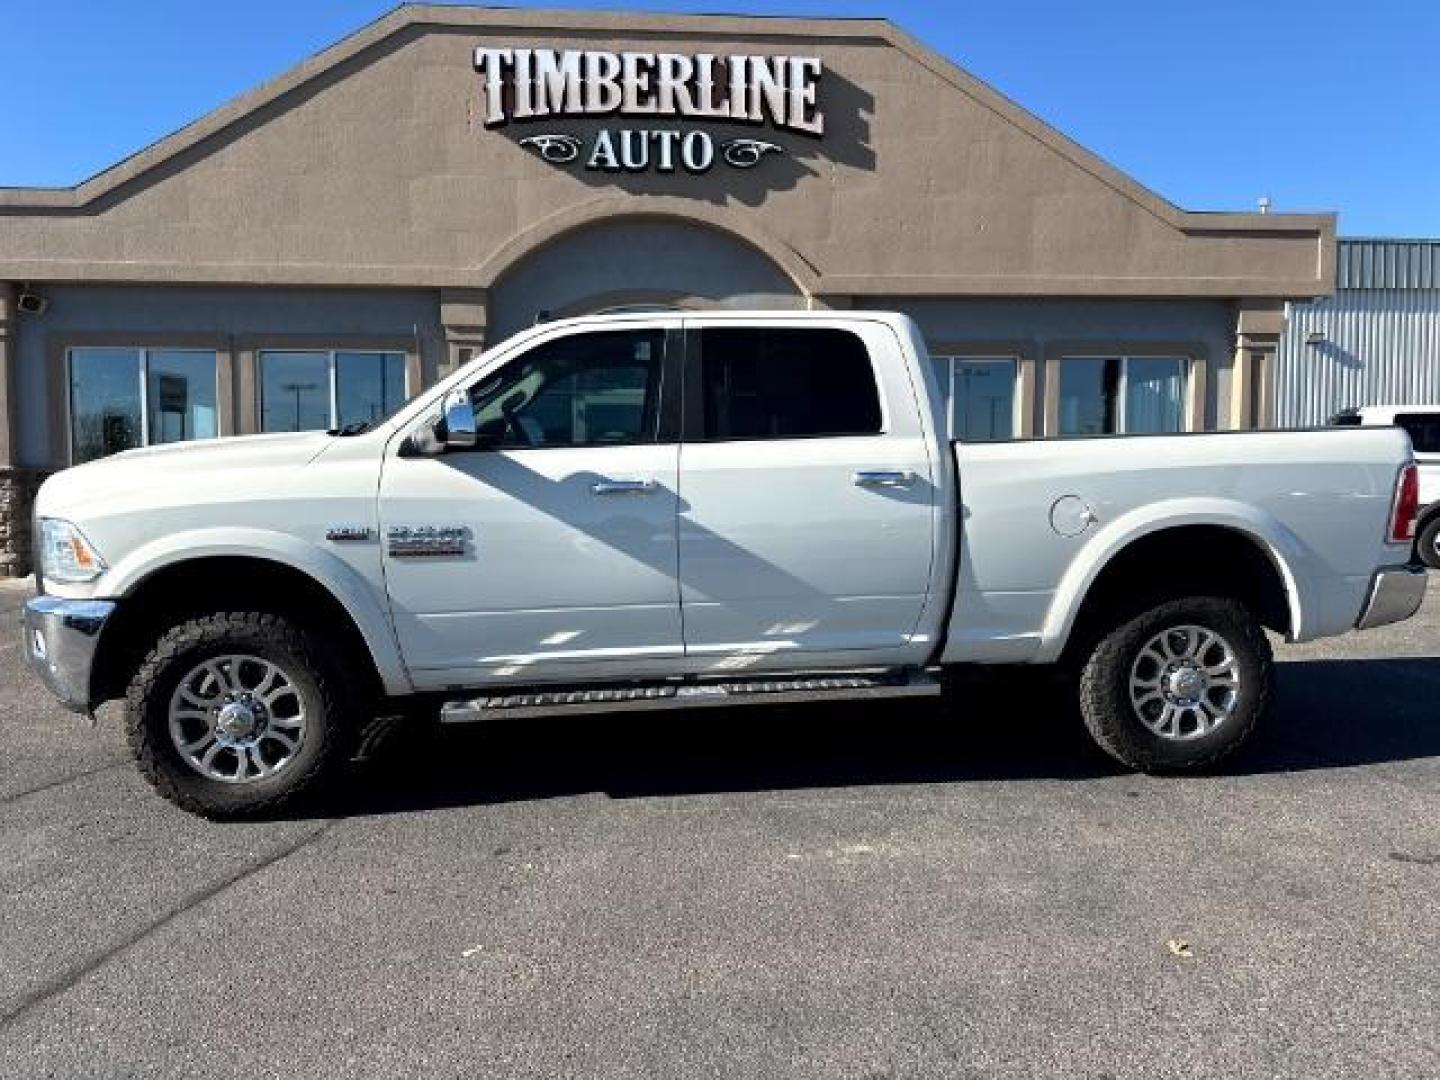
(31, 303)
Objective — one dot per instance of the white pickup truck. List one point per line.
(685, 510)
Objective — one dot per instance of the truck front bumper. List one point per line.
(1395, 595)
(60, 640)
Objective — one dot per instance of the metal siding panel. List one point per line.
(1382, 347)
(1387, 264)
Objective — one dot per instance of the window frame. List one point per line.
(247, 348)
(1193, 397)
(1023, 352)
(332, 375)
(1016, 398)
(693, 384)
(62, 416)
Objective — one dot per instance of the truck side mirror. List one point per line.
(459, 421)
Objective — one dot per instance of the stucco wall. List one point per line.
(637, 260)
(371, 165)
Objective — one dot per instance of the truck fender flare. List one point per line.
(337, 577)
(1278, 542)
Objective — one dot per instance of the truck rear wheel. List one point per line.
(1427, 544)
(1178, 686)
(237, 714)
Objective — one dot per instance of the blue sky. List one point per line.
(1325, 105)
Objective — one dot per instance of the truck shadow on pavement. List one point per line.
(1016, 726)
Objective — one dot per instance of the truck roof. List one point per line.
(733, 315)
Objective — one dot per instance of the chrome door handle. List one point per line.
(622, 487)
(884, 478)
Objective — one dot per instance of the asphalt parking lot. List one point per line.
(886, 892)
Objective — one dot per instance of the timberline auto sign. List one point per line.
(534, 84)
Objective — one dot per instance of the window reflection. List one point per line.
(180, 395)
(1132, 394)
(1087, 396)
(104, 402)
(1154, 393)
(294, 391)
(982, 404)
(296, 388)
(370, 385)
(123, 398)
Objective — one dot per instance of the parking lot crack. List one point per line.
(61, 782)
(72, 976)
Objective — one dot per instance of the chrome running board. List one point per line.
(691, 695)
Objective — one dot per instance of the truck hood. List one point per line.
(84, 489)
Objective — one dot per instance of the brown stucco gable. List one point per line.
(364, 166)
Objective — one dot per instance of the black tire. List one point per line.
(1114, 721)
(1427, 543)
(314, 668)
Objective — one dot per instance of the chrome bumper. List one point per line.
(60, 640)
(1395, 595)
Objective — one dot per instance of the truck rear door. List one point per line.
(806, 495)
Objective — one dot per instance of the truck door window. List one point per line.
(599, 389)
(786, 383)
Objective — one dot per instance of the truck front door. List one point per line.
(807, 496)
(547, 552)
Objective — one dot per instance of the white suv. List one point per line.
(1422, 424)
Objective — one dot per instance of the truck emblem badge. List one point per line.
(418, 541)
(347, 532)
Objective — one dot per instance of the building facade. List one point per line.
(331, 243)
(1376, 341)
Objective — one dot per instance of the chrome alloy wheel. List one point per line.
(1185, 682)
(237, 719)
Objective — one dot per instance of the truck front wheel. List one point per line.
(1177, 686)
(237, 714)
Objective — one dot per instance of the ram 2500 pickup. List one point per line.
(681, 510)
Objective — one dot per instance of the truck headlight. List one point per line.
(65, 554)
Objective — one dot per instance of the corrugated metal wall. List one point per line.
(1381, 347)
(1387, 264)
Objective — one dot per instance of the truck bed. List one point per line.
(1043, 516)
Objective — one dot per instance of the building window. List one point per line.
(982, 396)
(1103, 395)
(786, 384)
(121, 398)
(312, 390)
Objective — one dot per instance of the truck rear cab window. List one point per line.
(587, 389)
(1423, 429)
(786, 383)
